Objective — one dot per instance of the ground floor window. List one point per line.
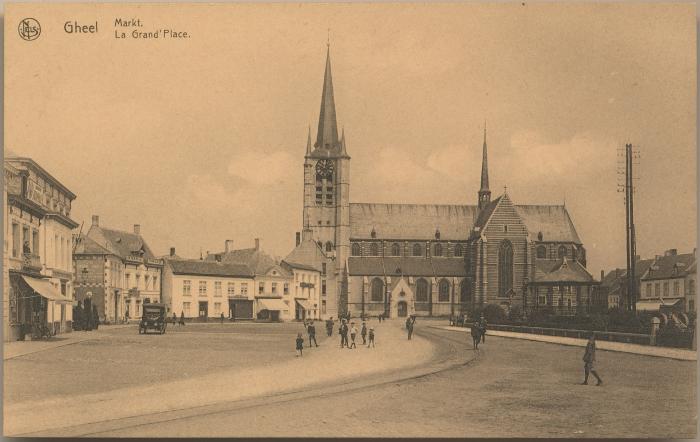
(542, 300)
(323, 307)
(186, 308)
(217, 308)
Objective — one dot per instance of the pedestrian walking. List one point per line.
(482, 325)
(300, 345)
(371, 337)
(182, 318)
(408, 322)
(312, 333)
(126, 317)
(589, 359)
(329, 326)
(476, 334)
(174, 318)
(363, 333)
(353, 333)
(343, 331)
(409, 326)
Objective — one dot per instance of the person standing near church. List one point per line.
(482, 325)
(311, 328)
(363, 333)
(409, 326)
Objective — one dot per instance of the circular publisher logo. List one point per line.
(29, 29)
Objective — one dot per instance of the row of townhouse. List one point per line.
(37, 261)
(246, 284)
(667, 280)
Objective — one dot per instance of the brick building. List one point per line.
(117, 271)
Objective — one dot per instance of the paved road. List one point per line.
(509, 388)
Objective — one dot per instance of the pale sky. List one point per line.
(202, 140)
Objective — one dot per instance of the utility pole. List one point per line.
(628, 187)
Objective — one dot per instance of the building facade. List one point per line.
(272, 281)
(669, 280)
(38, 239)
(203, 290)
(308, 265)
(434, 260)
(117, 271)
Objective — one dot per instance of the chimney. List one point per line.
(257, 243)
(298, 238)
(96, 220)
(172, 251)
(228, 245)
(137, 229)
(671, 252)
(602, 275)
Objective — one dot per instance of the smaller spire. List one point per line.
(308, 142)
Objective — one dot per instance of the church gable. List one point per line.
(504, 221)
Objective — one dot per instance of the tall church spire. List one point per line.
(327, 136)
(484, 192)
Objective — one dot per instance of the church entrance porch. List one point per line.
(402, 309)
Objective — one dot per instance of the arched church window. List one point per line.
(465, 296)
(377, 290)
(562, 252)
(505, 267)
(444, 291)
(374, 249)
(458, 250)
(355, 249)
(329, 246)
(437, 250)
(395, 250)
(417, 250)
(541, 252)
(421, 290)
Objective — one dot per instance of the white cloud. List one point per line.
(263, 168)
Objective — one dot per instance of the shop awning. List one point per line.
(655, 305)
(45, 289)
(271, 304)
(306, 305)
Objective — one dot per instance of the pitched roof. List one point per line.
(618, 276)
(257, 260)
(87, 246)
(411, 221)
(209, 268)
(670, 266)
(307, 255)
(561, 270)
(420, 221)
(486, 213)
(117, 242)
(552, 220)
(407, 266)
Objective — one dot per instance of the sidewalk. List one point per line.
(15, 349)
(661, 352)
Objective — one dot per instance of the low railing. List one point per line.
(31, 261)
(629, 338)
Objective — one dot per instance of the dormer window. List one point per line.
(373, 233)
(437, 234)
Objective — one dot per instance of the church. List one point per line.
(429, 259)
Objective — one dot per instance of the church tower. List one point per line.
(484, 192)
(327, 181)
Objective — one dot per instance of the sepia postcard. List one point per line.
(304, 219)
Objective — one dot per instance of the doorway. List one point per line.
(402, 309)
(203, 309)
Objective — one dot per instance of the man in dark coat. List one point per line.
(482, 325)
(311, 328)
(182, 318)
(329, 326)
(343, 334)
(409, 326)
(476, 335)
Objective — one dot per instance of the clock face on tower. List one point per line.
(324, 168)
